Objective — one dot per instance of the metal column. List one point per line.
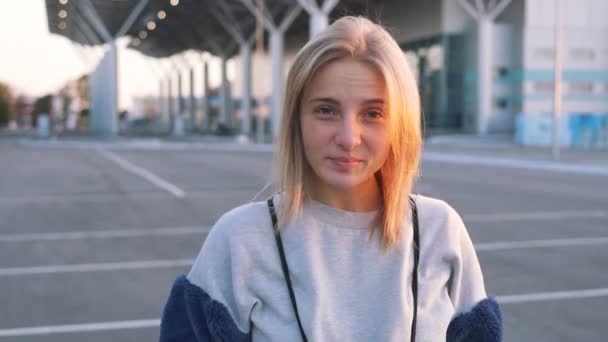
(246, 100)
(484, 14)
(318, 14)
(192, 120)
(276, 53)
(206, 105)
(104, 89)
(224, 96)
(485, 30)
(178, 122)
(160, 102)
(170, 112)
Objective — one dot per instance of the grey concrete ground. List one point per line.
(541, 234)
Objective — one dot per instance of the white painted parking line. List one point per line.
(537, 216)
(82, 197)
(496, 246)
(148, 195)
(454, 158)
(546, 296)
(149, 145)
(103, 234)
(96, 267)
(149, 176)
(75, 328)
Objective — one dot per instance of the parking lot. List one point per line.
(92, 238)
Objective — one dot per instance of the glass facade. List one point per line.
(439, 66)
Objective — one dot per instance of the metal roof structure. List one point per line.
(161, 28)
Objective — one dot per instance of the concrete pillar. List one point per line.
(318, 22)
(104, 93)
(159, 103)
(224, 95)
(318, 14)
(276, 56)
(246, 96)
(178, 122)
(180, 95)
(206, 105)
(484, 14)
(422, 66)
(484, 73)
(106, 107)
(113, 99)
(192, 120)
(170, 113)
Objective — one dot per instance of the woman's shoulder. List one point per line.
(436, 214)
(237, 235)
(434, 206)
(221, 273)
(243, 220)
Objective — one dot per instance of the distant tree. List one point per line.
(83, 122)
(41, 106)
(6, 99)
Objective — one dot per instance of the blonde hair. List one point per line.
(363, 40)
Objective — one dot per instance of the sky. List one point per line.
(34, 62)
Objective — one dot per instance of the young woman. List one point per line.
(351, 254)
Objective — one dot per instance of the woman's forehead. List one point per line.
(347, 78)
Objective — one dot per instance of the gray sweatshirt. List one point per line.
(347, 288)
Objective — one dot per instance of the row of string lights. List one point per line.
(63, 14)
(136, 41)
(151, 25)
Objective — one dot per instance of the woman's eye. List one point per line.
(325, 110)
(374, 114)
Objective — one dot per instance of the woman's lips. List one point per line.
(345, 163)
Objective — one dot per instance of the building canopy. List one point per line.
(161, 28)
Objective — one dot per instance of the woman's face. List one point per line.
(344, 125)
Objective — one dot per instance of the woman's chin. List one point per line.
(343, 181)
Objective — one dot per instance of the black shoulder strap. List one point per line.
(292, 296)
(415, 271)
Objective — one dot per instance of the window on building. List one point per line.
(544, 53)
(503, 72)
(435, 57)
(581, 87)
(582, 55)
(412, 60)
(502, 103)
(543, 86)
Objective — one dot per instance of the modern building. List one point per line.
(483, 66)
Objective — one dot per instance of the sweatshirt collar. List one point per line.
(338, 217)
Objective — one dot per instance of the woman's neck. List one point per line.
(364, 197)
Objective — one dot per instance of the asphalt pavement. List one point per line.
(92, 234)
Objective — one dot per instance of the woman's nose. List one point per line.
(348, 135)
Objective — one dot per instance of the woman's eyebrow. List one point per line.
(374, 101)
(334, 101)
(324, 99)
